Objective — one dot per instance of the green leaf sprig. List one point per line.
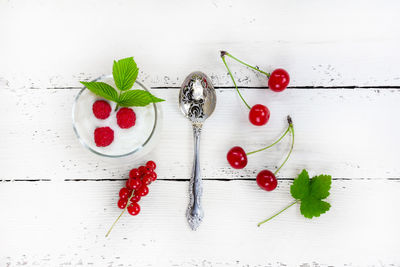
(125, 72)
(309, 193)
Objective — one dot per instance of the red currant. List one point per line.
(259, 115)
(148, 171)
(135, 198)
(133, 209)
(134, 173)
(125, 193)
(147, 179)
(142, 191)
(267, 180)
(237, 157)
(142, 170)
(122, 203)
(153, 176)
(279, 80)
(151, 164)
(133, 183)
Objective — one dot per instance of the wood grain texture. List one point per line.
(59, 223)
(58, 43)
(347, 133)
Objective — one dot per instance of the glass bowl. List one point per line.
(136, 141)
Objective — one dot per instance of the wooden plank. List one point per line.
(348, 133)
(338, 43)
(63, 223)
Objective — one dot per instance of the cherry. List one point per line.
(151, 164)
(125, 193)
(142, 191)
(278, 80)
(147, 179)
(134, 173)
(122, 203)
(133, 208)
(267, 180)
(135, 198)
(133, 183)
(237, 157)
(153, 176)
(259, 115)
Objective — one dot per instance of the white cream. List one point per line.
(125, 140)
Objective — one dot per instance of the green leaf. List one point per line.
(313, 207)
(301, 186)
(320, 186)
(125, 72)
(102, 89)
(138, 98)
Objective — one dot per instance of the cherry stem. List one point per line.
(244, 63)
(123, 211)
(116, 107)
(276, 214)
(230, 74)
(290, 151)
(271, 145)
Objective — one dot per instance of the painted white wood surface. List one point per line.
(348, 133)
(57, 43)
(57, 200)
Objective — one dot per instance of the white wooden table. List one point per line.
(57, 200)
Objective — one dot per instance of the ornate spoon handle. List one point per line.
(195, 213)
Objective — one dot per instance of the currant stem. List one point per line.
(230, 74)
(244, 63)
(276, 214)
(271, 145)
(290, 151)
(123, 211)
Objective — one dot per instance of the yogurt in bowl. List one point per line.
(137, 140)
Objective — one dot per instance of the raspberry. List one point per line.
(101, 109)
(126, 118)
(103, 136)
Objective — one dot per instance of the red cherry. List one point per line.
(135, 198)
(125, 193)
(133, 209)
(147, 179)
(279, 80)
(134, 173)
(259, 115)
(237, 157)
(267, 180)
(122, 203)
(133, 183)
(153, 176)
(151, 164)
(142, 191)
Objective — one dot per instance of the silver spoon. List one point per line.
(197, 102)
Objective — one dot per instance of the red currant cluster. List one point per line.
(136, 188)
(278, 80)
(266, 179)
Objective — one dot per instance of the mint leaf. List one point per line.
(301, 186)
(313, 207)
(125, 72)
(102, 89)
(138, 98)
(320, 186)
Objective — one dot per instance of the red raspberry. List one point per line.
(103, 136)
(101, 109)
(126, 118)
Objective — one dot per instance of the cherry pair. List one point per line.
(135, 188)
(266, 179)
(278, 80)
